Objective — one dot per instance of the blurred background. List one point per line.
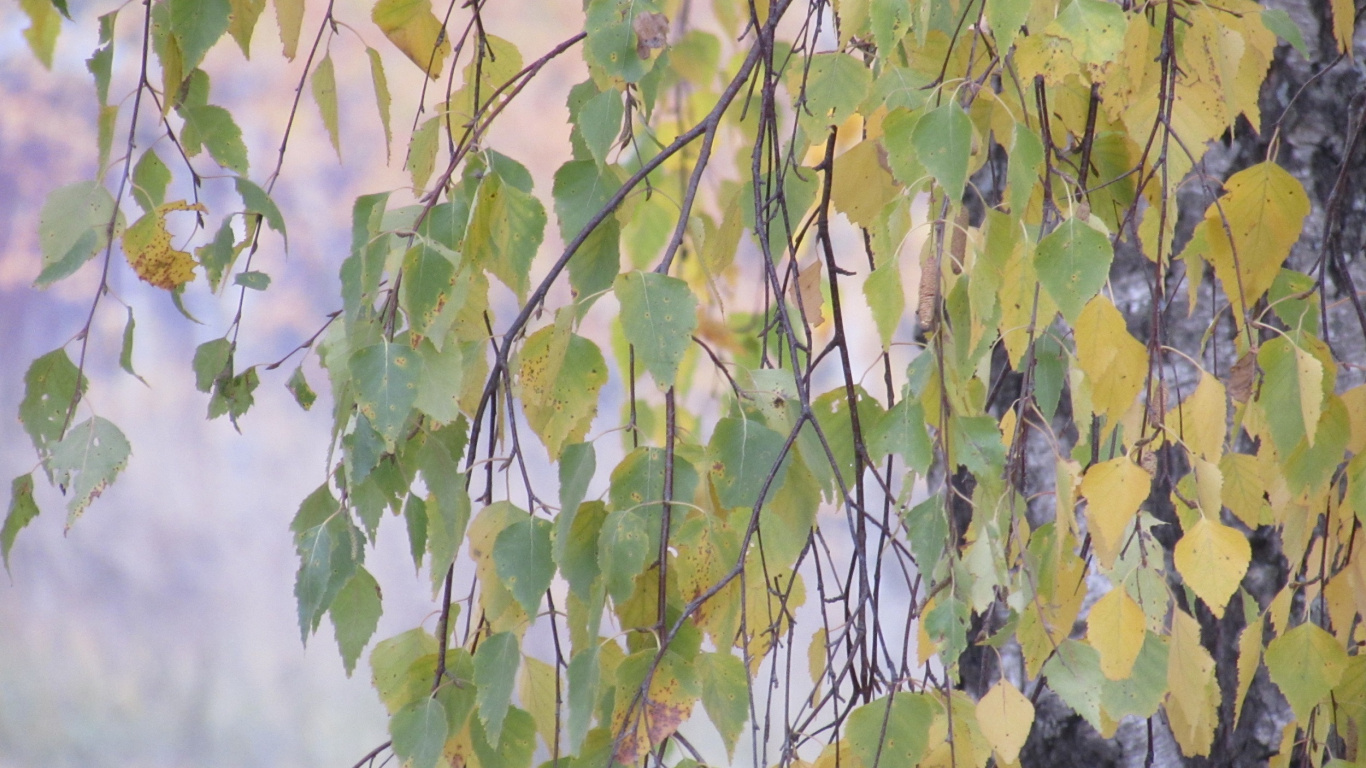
(161, 629)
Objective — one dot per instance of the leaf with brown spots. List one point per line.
(147, 246)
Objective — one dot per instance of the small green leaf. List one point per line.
(515, 744)
(257, 201)
(495, 673)
(126, 350)
(101, 61)
(213, 127)
(150, 179)
(658, 315)
(382, 99)
(22, 510)
(211, 360)
(355, 614)
(422, 151)
(385, 376)
(942, 140)
(581, 192)
(44, 25)
(521, 554)
(580, 562)
(835, 86)
(886, 299)
(196, 25)
(892, 730)
(256, 281)
(578, 462)
(324, 88)
(419, 733)
(448, 508)
(583, 677)
(624, 548)
(505, 231)
(218, 255)
(86, 461)
(599, 121)
(329, 554)
(1278, 21)
(298, 386)
(242, 23)
(73, 227)
(1073, 262)
(902, 431)
(50, 392)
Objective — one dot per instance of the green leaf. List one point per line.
(495, 672)
(1096, 29)
(599, 122)
(1142, 692)
(725, 694)
(1026, 160)
(1073, 262)
(51, 389)
(44, 25)
(1006, 17)
(385, 376)
(977, 444)
(523, 559)
(256, 281)
(583, 677)
(329, 554)
(743, 453)
(892, 730)
(516, 744)
(102, 59)
(86, 461)
(398, 670)
(257, 201)
(196, 25)
(422, 148)
(902, 431)
(890, 20)
(448, 509)
(324, 89)
(578, 463)
(22, 510)
(73, 227)
(835, 86)
(428, 283)
(561, 400)
(942, 140)
(1305, 663)
(1074, 674)
(610, 50)
(218, 255)
(638, 481)
(624, 549)
(126, 350)
(419, 733)
(658, 315)
(886, 299)
(382, 99)
(1280, 392)
(355, 615)
(1278, 21)
(213, 127)
(580, 560)
(581, 192)
(212, 359)
(150, 179)
(505, 231)
(298, 386)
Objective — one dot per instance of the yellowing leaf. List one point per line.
(147, 246)
(1114, 362)
(1114, 490)
(536, 688)
(381, 84)
(1201, 421)
(325, 94)
(809, 291)
(1265, 207)
(1344, 22)
(1244, 490)
(412, 27)
(1005, 717)
(1310, 374)
(289, 15)
(1115, 628)
(862, 184)
(1193, 702)
(1249, 659)
(1213, 559)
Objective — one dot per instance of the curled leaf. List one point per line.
(147, 246)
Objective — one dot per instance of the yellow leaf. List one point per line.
(1249, 659)
(1114, 490)
(324, 89)
(1136, 63)
(809, 291)
(1115, 363)
(289, 15)
(1213, 558)
(1019, 289)
(862, 185)
(536, 688)
(1049, 55)
(1212, 58)
(1265, 207)
(1116, 628)
(1005, 717)
(1354, 400)
(1201, 421)
(1048, 620)
(1209, 487)
(1310, 372)
(1244, 490)
(412, 27)
(1193, 698)
(147, 246)
(1344, 22)
(815, 657)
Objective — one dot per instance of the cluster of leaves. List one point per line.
(1022, 142)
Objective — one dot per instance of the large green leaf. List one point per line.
(523, 560)
(386, 376)
(213, 127)
(50, 390)
(495, 672)
(505, 231)
(892, 730)
(623, 550)
(725, 694)
(1073, 263)
(610, 50)
(835, 86)
(196, 26)
(73, 227)
(398, 670)
(943, 140)
(419, 733)
(658, 315)
(355, 614)
(743, 455)
(86, 461)
(561, 399)
(1305, 663)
